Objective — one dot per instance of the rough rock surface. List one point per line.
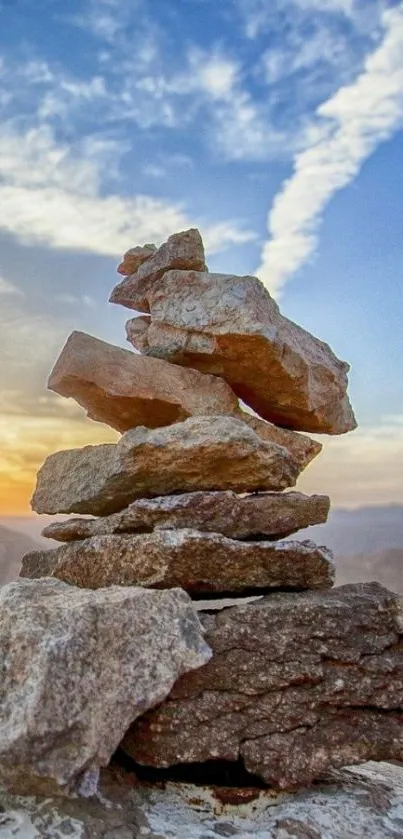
(182, 250)
(198, 562)
(302, 448)
(79, 666)
(231, 327)
(124, 389)
(274, 514)
(135, 257)
(362, 802)
(201, 453)
(298, 684)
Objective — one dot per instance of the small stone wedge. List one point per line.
(77, 668)
(200, 563)
(182, 250)
(273, 514)
(231, 327)
(201, 453)
(298, 684)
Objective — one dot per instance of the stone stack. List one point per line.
(193, 495)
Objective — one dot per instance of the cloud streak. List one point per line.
(347, 129)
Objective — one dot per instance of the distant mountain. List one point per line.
(385, 567)
(13, 546)
(367, 530)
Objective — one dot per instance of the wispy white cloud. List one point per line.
(348, 128)
(9, 288)
(54, 195)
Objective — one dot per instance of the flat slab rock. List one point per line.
(362, 802)
(298, 684)
(273, 514)
(231, 327)
(198, 562)
(79, 666)
(201, 453)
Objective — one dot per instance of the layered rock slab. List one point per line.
(79, 666)
(272, 514)
(198, 562)
(183, 251)
(298, 684)
(231, 327)
(124, 389)
(201, 453)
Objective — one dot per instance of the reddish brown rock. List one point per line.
(135, 257)
(273, 514)
(182, 250)
(231, 327)
(201, 453)
(124, 389)
(298, 684)
(201, 563)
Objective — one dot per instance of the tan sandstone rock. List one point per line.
(231, 327)
(124, 389)
(273, 514)
(182, 250)
(77, 667)
(201, 563)
(298, 684)
(201, 453)
(135, 257)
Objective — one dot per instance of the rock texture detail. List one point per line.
(182, 250)
(272, 514)
(231, 327)
(124, 390)
(135, 257)
(198, 562)
(201, 453)
(298, 684)
(78, 667)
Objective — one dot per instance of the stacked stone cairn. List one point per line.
(294, 677)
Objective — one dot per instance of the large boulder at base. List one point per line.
(198, 562)
(77, 668)
(182, 250)
(231, 327)
(298, 684)
(270, 514)
(124, 389)
(351, 804)
(201, 453)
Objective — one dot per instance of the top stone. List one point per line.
(135, 257)
(230, 326)
(182, 250)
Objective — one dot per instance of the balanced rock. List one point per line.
(298, 684)
(201, 453)
(135, 257)
(201, 563)
(231, 327)
(77, 668)
(182, 250)
(125, 390)
(270, 514)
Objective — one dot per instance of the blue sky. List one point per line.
(274, 127)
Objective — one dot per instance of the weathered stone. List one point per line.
(201, 453)
(302, 448)
(351, 804)
(182, 250)
(135, 257)
(125, 390)
(298, 684)
(231, 327)
(78, 667)
(274, 514)
(198, 562)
